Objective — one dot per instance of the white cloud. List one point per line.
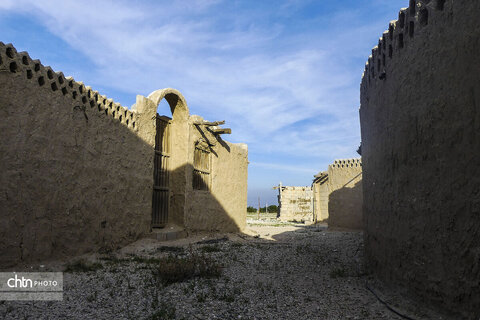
(285, 94)
(269, 165)
(7, 4)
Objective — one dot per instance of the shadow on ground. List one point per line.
(292, 272)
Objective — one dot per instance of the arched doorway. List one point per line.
(170, 159)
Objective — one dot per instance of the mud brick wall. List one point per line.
(296, 203)
(223, 207)
(346, 196)
(321, 192)
(76, 169)
(420, 123)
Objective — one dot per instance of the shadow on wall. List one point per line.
(76, 169)
(206, 211)
(421, 150)
(94, 210)
(345, 207)
(73, 179)
(203, 210)
(222, 206)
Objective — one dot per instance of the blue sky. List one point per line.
(285, 75)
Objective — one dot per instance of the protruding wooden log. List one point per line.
(222, 131)
(210, 124)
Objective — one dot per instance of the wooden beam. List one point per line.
(210, 124)
(222, 131)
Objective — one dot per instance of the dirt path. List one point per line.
(288, 272)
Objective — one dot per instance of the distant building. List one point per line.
(338, 194)
(295, 204)
(335, 196)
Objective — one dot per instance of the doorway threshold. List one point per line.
(168, 233)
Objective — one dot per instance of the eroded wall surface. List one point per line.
(420, 122)
(321, 192)
(345, 199)
(223, 207)
(296, 204)
(76, 168)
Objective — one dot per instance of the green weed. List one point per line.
(338, 273)
(177, 269)
(83, 266)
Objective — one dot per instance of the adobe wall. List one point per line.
(224, 206)
(179, 166)
(75, 167)
(345, 199)
(321, 191)
(420, 123)
(296, 204)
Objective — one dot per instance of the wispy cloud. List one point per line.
(291, 168)
(284, 75)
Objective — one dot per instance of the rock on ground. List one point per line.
(286, 272)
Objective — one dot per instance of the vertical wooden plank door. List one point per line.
(161, 186)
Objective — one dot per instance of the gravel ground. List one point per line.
(288, 272)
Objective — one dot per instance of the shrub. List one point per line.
(338, 273)
(177, 269)
(214, 248)
(83, 266)
(163, 313)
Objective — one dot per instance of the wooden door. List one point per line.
(161, 185)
